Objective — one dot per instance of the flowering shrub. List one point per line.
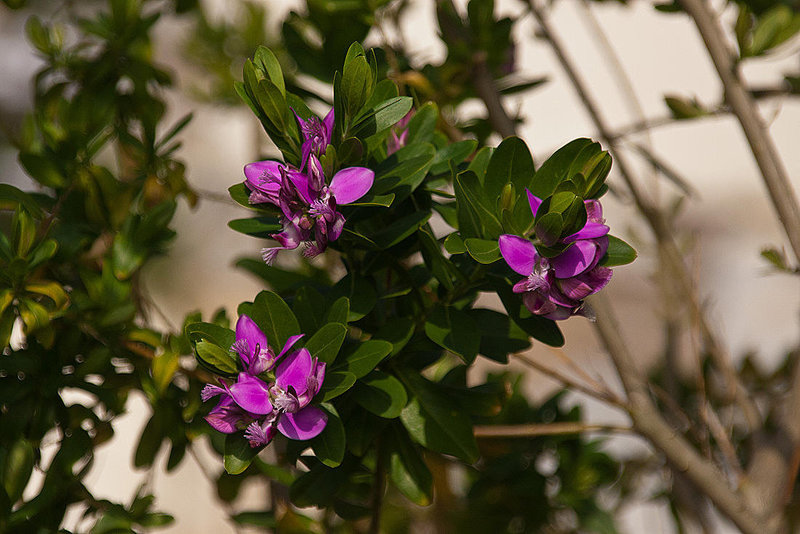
(419, 225)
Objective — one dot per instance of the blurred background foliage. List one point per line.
(75, 317)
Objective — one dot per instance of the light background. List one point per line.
(729, 220)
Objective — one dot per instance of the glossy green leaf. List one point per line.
(407, 468)
(382, 116)
(238, 453)
(327, 341)
(262, 227)
(381, 394)
(329, 446)
(512, 163)
(454, 330)
(365, 357)
(273, 316)
(434, 421)
(335, 383)
(483, 250)
(619, 253)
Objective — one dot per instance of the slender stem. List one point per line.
(601, 393)
(649, 423)
(744, 108)
(549, 429)
(658, 224)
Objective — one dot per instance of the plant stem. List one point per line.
(549, 429)
(744, 108)
(649, 423)
(659, 226)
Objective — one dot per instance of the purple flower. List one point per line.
(263, 408)
(307, 202)
(297, 380)
(399, 134)
(555, 287)
(316, 135)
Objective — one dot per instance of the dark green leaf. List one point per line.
(382, 116)
(407, 468)
(326, 342)
(483, 250)
(619, 253)
(454, 330)
(365, 358)
(238, 453)
(381, 394)
(329, 446)
(261, 227)
(512, 163)
(335, 384)
(273, 316)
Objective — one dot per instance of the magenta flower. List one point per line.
(316, 135)
(399, 134)
(307, 202)
(297, 380)
(262, 408)
(555, 287)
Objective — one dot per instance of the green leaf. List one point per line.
(339, 311)
(400, 229)
(454, 152)
(365, 358)
(422, 125)
(263, 519)
(221, 361)
(381, 394)
(382, 116)
(548, 228)
(511, 163)
(238, 453)
(500, 336)
(356, 85)
(17, 469)
(403, 171)
(267, 62)
(262, 227)
(309, 307)
(476, 213)
(483, 250)
(335, 384)
(325, 344)
(454, 330)
(556, 169)
(619, 253)
(360, 293)
(150, 440)
(329, 446)
(218, 335)
(11, 196)
(454, 244)
(398, 332)
(383, 201)
(42, 169)
(544, 330)
(434, 421)
(480, 162)
(683, 108)
(407, 468)
(273, 316)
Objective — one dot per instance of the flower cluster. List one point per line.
(555, 287)
(308, 202)
(263, 408)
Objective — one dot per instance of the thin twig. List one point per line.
(603, 394)
(650, 424)
(658, 224)
(744, 108)
(548, 429)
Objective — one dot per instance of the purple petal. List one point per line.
(303, 425)
(590, 231)
(300, 181)
(537, 304)
(588, 283)
(519, 253)
(534, 201)
(225, 416)
(249, 331)
(560, 313)
(594, 211)
(294, 371)
(264, 176)
(575, 259)
(350, 184)
(251, 394)
(327, 122)
(289, 343)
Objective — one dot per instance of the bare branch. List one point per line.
(650, 424)
(548, 429)
(743, 106)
